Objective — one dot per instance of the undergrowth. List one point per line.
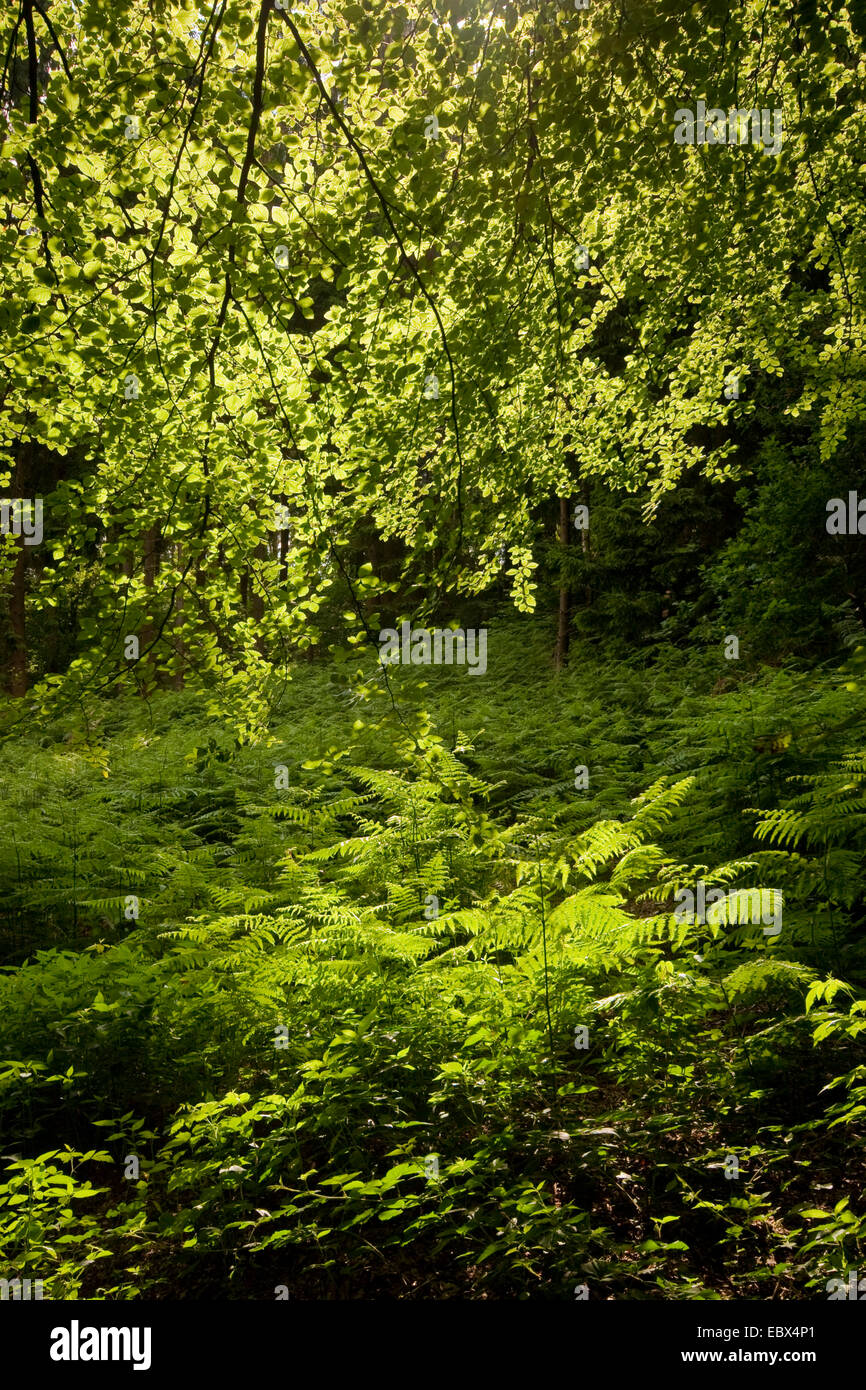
(387, 1004)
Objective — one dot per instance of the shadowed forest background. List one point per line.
(324, 978)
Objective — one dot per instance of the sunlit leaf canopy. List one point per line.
(245, 270)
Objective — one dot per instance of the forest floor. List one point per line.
(393, 1001)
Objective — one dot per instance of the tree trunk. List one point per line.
(283, 554)
(18, 658)
(152, 544)
(179, 644)
(584, 544)
(256, 599)
(563, 629)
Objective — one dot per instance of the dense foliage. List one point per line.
(286, 1035)
(322, 977)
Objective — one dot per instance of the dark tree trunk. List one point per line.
(18, 657)
(17, 679)
(151, 547)
(256, 598)
(584, 541)
(563, 629)
(179, 643)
